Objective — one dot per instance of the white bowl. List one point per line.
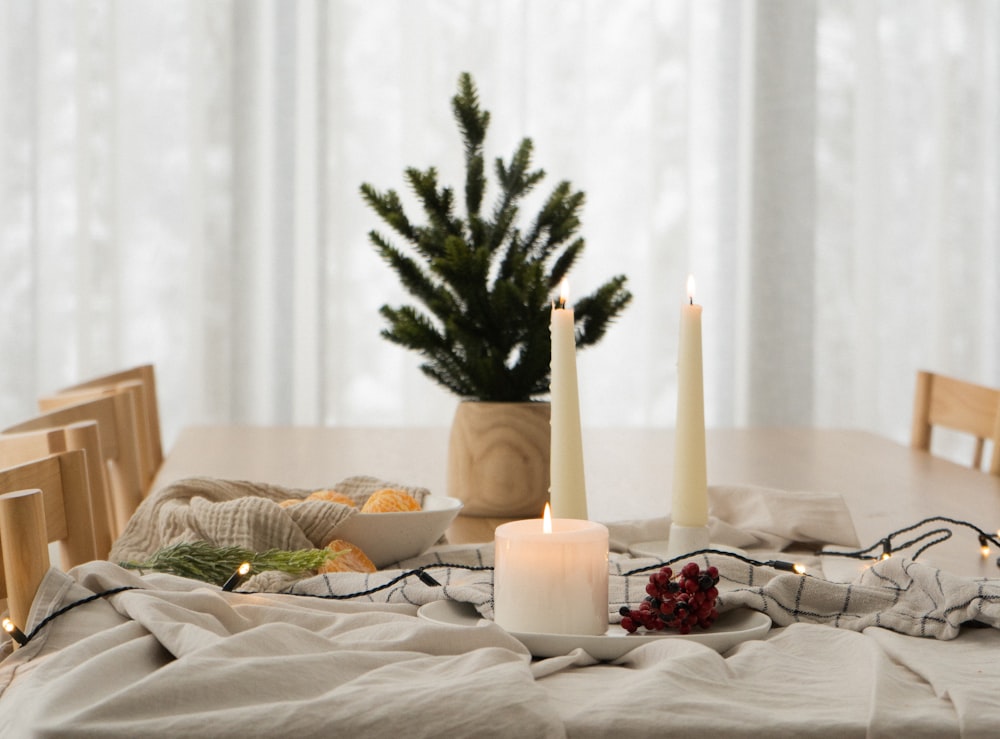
(390, 537)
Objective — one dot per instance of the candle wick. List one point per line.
(691, 300)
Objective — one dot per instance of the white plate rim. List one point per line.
(732, 628)
(659, 549)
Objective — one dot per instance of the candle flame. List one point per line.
(244, 568)
(8, 626)
(547, 520)
(690, 289)
(563, 292)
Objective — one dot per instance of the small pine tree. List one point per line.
(486, 282)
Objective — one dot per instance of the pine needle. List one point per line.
(200, 560)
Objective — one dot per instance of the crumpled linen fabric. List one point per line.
(241, 513)
(898, 594)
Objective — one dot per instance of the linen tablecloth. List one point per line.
(174, 657)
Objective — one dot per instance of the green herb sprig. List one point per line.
(200, 560)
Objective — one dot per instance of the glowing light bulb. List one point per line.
(886, 549)
(15, 633)
(237, 577)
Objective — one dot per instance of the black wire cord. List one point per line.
(777, 564)
(418, 572)
(69, 607)
(927, 539)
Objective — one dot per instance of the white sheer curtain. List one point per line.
(179, 184)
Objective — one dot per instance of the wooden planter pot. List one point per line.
(498, 458)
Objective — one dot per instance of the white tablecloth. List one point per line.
(175, 657)
(179, 658)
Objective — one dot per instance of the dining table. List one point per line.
(886, 485)
(902, 645)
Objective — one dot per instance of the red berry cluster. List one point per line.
(676, 604)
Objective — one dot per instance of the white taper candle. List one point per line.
(567, 488)
(690, 490)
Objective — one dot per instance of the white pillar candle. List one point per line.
(567, 489)
(690, 502)
(551, 581)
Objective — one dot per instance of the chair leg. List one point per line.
(920, 432)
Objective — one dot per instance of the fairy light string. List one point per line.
(775, 563)
(926, 539)
(13, 630)
(884, 546)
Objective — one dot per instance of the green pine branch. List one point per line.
(486, 284)
(200, 560)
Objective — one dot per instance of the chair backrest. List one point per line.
(130, 388)
(26, 446)
(64, 492)
(148, 409)
(940, 400)
(116, 423)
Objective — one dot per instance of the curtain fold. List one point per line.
(179, 185)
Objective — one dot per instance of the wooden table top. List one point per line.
(886, 485)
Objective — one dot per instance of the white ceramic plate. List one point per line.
(389, 537)
(731, 628)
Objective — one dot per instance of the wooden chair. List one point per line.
(962, 406)
(115, 418)
(27, 446)
(43, 501)
(141, 383)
